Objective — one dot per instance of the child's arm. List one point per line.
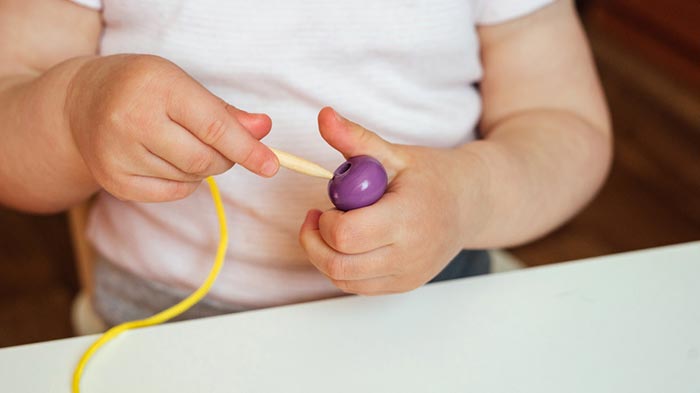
(546, 151)
(548, 138)
(138, 126)
(40, 168)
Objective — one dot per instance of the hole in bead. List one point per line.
(343, 168)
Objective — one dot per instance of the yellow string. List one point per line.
(173, 311)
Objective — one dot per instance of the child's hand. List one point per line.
(148, 132)
(408, 236)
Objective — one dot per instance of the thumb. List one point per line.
(351, 139)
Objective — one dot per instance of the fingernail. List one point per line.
(269, 168)
(338, 116)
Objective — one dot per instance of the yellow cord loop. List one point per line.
(173, 311)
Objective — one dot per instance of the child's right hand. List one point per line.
(149, 132)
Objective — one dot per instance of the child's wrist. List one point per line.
(70, 102)
(475, 176)
(73, 98)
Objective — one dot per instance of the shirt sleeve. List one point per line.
(93, 4)
(497, 11)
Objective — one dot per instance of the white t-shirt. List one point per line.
(405, 69)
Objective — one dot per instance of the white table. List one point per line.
(623, 323)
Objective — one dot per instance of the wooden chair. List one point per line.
(83, 316)
(84, 254)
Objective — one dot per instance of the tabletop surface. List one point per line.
(622, 323)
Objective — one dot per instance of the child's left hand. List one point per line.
(409, 235)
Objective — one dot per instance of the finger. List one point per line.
(154, 166)
(372, 286)
(339, 266)
(351, 140)
(185, 152)
(363, 230)
(139, 188)
(208, 118)
(259, 124)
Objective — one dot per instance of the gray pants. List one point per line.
(121, 296)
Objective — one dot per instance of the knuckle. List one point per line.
(337, 267)
(167, 190)
(147, 73)
(248, 155)
(116, 192)
(341, 235)
(119, 188)
(118, 115)
(179, 190)
(214, 132)
(368, 138)
(220, 166)
(114, 117)
(199, 162)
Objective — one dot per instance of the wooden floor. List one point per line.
(652, 198)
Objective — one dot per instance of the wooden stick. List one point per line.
(301, 165)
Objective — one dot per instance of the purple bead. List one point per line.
(358, 182)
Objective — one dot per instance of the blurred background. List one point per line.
(648, 55)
